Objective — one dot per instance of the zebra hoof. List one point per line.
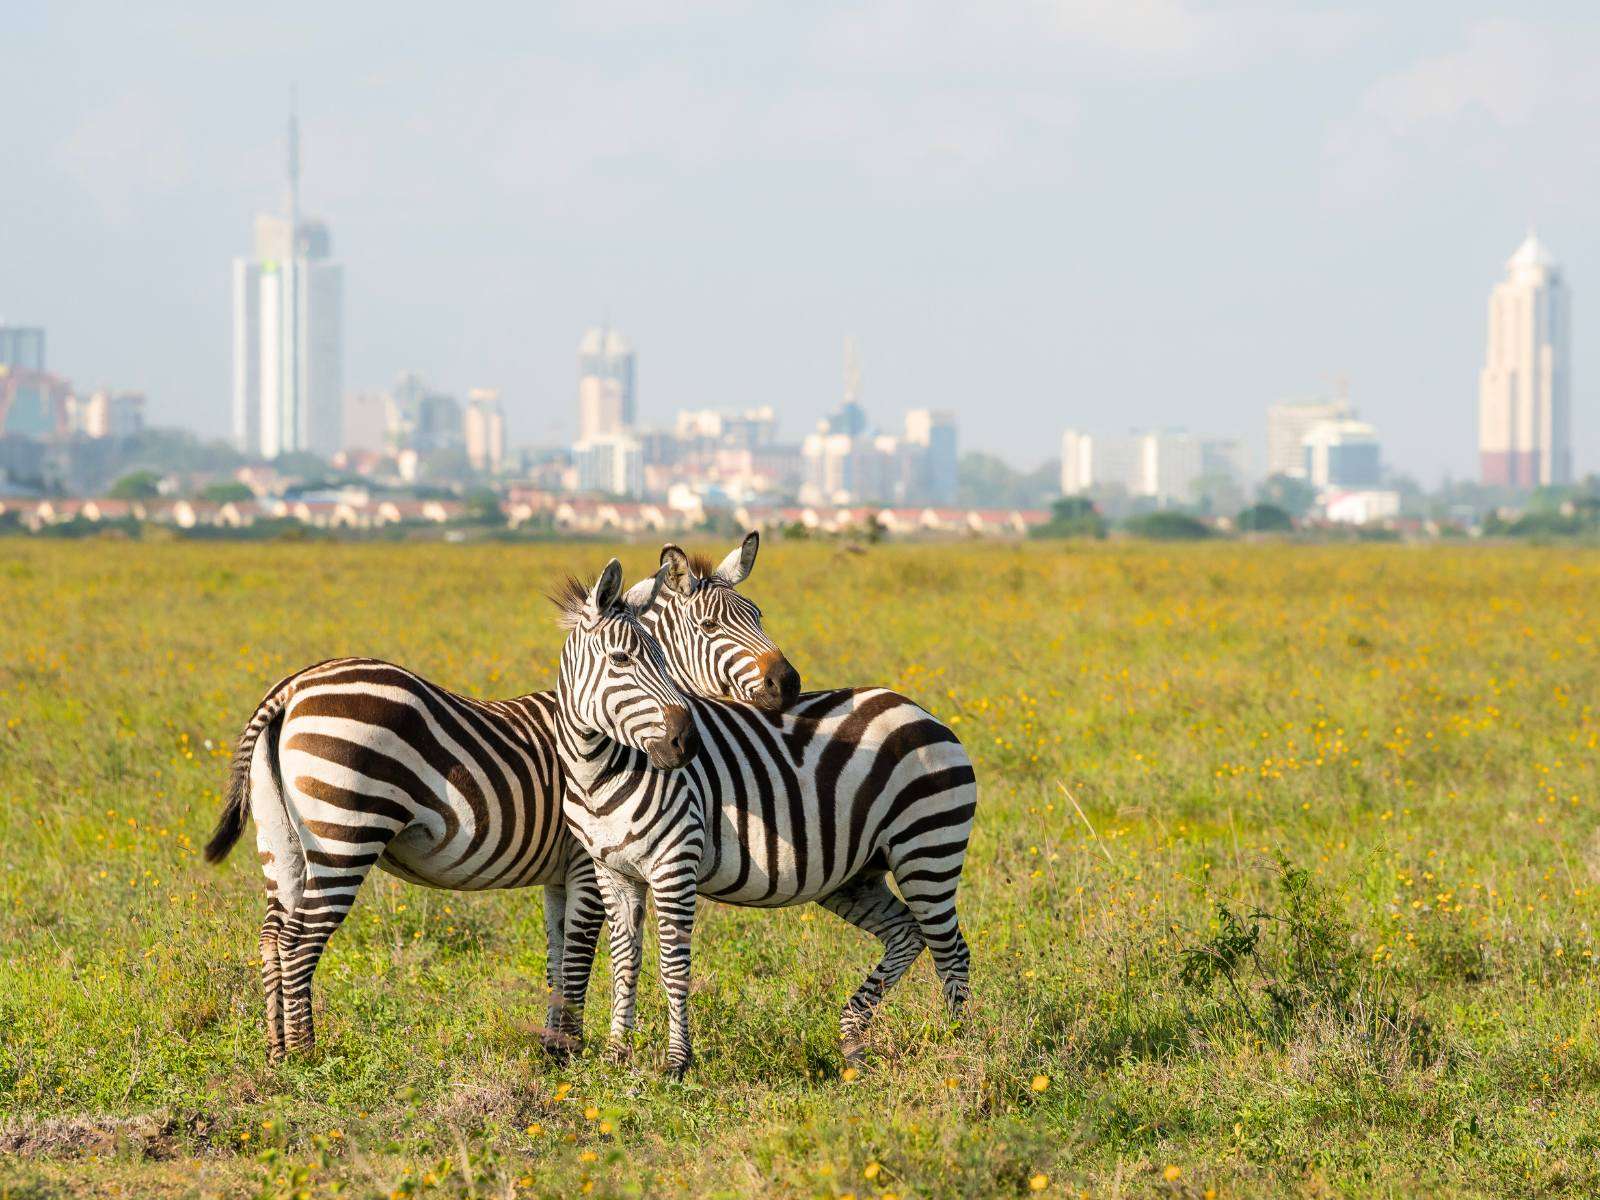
(559, 1045)
(618, 1053)
(676, 1071)
(855, 1052)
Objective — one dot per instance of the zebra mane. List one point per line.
(570, 599)
(702, 566)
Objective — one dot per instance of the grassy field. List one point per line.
(1284, 881)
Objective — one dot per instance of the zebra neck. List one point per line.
(585, 753)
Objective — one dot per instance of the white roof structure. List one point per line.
(1531, 255)
(600, 340)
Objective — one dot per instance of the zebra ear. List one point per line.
(641, 597)
(735, 569)
(608, 590)
(680, 575)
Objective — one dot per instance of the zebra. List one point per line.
(823, 802)
(711, 635)
(355, 763)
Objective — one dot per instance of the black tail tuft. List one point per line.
(236, 808)
(234, 811)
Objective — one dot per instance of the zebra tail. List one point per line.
(236, 808)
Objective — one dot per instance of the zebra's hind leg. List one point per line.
(867, 903)
(930, 894)
(585, 917)
(283, 863)
(332, 880)
(555, 922)
(272, 979)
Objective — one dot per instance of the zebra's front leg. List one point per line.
(675, 906)
(624, 900)
(551, 1037)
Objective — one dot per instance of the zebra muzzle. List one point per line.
(678, 744)
(778, 685)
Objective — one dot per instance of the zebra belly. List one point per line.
(415, 857)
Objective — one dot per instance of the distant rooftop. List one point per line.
(611, 341)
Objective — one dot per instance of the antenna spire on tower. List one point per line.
(294, 164)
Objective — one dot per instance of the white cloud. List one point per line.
(1471, 106)
(1191, 39)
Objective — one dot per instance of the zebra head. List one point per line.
(613, 681)
(712, 636)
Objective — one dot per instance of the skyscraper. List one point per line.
(485, 431)
(22, 347)
(1343, 454)
(931, 435)
(288, 347)
(1287, 426)
(1524, 407)
(606, 404)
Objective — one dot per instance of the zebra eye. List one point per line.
(618, 658)
(708, 625)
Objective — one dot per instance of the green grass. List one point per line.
(1416, 729)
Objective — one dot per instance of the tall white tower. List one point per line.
(606, 402)
(1524, 400)
(288, 342)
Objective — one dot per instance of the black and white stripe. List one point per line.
(356, 763)
(712, 636)
(826, 802)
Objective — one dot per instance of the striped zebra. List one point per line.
(355, 763)
(711, 635)
(823, 802)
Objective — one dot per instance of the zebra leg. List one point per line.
(555, 920)
(585, 916)
(675, 904)
(930, 894)
(332, 881)
(283, 863)
(867, 903)
(624, 900)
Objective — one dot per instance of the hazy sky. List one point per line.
(1099, 214)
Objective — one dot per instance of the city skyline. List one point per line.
(1327, 241)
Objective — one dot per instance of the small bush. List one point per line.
(1167, 527)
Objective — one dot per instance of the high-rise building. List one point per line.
(1342, 454)
(1287, 426)
(1077, 462)
(441, 424)
(34, 404)
(22, 348)
(612, 464)
(368, 421)
(115, 415)
(1224, 458)
(850, 418)
(288, 347)
(1162, 465)
(1524, 404)
(931, 435)
(486, 431)
(606, 403)
(1170, 461)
